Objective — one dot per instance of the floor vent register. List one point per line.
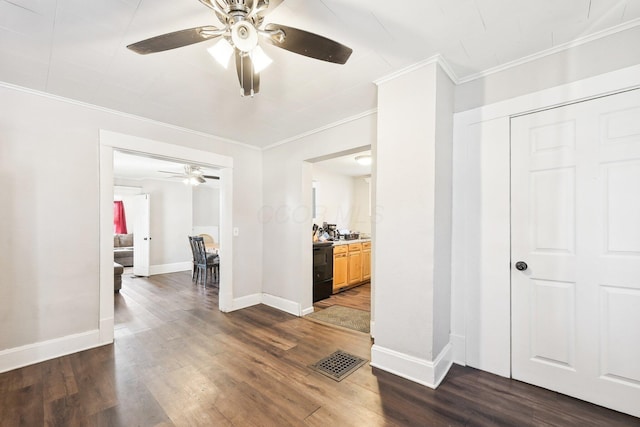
(338, 365)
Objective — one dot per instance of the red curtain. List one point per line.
(119, 219)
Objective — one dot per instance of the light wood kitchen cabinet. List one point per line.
(354, 272)
(366, 261)
(351, 265)
(340, 267)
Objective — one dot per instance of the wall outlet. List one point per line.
(236, 231)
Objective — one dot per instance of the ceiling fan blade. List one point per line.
(249, 80)
(308, 44)
(175, 39)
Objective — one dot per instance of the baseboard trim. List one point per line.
(246, 301)
(18, 357)
(272, 301)
(308, 310)
(421, 371)
(106, 330)
(281, 304)
(170, 268)
(459, 344)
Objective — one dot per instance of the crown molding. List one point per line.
(321, 129)
(122, 114)
(556, 49)
(435, 59)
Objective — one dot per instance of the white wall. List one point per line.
(286, 210)
(206, 206)
(361, 209)
(334, 197)
(413, 227)
(49, 160)
(170, 223)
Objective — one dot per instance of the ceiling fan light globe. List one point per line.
(260, 59)
(221, 52)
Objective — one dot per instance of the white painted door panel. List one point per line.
(141, 236)
(575, 190)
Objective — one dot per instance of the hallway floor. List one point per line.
(178, 361)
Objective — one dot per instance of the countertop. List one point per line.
(346, 242)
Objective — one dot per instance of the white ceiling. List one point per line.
(76, 49)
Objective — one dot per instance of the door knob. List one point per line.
(521, 266)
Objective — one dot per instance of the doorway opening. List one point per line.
(111, 142)
(342, 221)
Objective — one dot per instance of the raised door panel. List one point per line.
(339, 271)
(355, 267)
(366, 264)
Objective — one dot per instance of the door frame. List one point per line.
(481, 276)
(110, 141)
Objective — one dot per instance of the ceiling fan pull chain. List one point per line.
(253, 74)
(242, 76)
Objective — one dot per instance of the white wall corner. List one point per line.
(30, 354)
(458, 344)
(246, 301)
(282, 304)
(425, 372)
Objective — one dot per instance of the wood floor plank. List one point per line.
(22, 406)
(65, 411)
(178, 361)
(58, 379)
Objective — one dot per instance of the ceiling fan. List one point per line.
(243, 28)
(192, 175)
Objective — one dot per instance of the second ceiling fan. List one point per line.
(243, 28)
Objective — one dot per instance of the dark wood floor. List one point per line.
(358, 297)
(178, 361)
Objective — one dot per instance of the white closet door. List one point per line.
(141, 236)
(575, 192)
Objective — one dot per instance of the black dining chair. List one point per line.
(194, 260)
(205, 264)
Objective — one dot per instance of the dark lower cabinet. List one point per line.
(322, 270)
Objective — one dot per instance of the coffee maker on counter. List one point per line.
(331, 230)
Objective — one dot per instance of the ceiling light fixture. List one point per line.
(242, 28)
(364, 160)
(260, 59)
(221, 52)
(194, 181)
